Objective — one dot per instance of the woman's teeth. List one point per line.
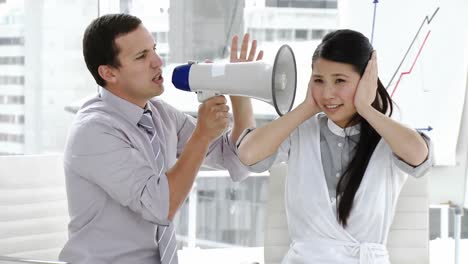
(332, 106)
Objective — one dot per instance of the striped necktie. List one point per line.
(165, 235)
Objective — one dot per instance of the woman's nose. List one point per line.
(329, 92)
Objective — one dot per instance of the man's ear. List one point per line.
(107, 73)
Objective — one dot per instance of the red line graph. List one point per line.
(414, 62)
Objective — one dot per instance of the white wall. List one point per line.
(433, 94)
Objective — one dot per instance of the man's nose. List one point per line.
(156, 60)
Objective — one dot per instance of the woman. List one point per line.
(348, 160)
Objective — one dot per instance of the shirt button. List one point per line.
(340, 145)
(338, 174)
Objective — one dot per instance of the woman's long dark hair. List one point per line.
(351, 47)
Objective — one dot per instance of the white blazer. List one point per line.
(317, 236)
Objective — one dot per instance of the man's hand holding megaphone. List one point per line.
(213, 118)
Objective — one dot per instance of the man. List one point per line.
(130, 159)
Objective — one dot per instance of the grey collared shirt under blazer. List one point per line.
(115, 198)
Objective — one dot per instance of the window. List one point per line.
(11, 119)
(160, 37)
(302, 3)
(257, 33)
(227, 213)
(20, 119)
(13, 80)
(270, 34)
(285, 34)
(301, 34)
(13, 99)
(318, 34)
(7, 118)
(5, 137)
(17, 60)
(11, 41)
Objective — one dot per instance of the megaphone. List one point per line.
(274, 84)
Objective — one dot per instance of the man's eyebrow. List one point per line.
(144, 51)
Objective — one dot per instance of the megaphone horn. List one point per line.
(274, 84)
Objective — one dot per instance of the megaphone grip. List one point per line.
(205, 95)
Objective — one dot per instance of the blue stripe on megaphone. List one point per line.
(180, 77)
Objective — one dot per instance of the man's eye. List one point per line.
(318, 81)
(340, 80)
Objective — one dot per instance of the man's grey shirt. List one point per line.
(115, 198)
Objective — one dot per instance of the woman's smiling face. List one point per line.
(333, 87)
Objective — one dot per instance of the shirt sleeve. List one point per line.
(422, 168)
(221, 153)
(102, 154)
(282, 154)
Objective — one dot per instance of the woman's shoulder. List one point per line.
(311, 126)
(314, 121)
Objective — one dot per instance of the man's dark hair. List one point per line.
(99, 46)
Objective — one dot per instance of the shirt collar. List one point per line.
(342, 132)
(130, 111)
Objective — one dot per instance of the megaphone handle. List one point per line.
(205, 95)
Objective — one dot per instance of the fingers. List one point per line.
(372, 65)
(368, 69)
(369, 73)
(218, 116)
(253, 50)
(260, 55)
(245, 54)
(216, 100)
(244, 47)
(224, 116)
(368, 83)
(220, 108)
(217, 106)
(234, 48)
(213, 117)
(376, 68)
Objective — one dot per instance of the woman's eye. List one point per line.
(340, 81)
(318, 81)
